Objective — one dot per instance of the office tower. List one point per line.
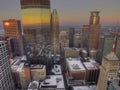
(36, 25)
(94, 30)
(55, 47)
(77, 40)
(105, 45)
(6, 81)
(85, 36)
(13, 32)
(109, 69)
(71, 37)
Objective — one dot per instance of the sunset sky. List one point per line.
(70, 11)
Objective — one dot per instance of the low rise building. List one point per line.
(71, 52)
(53, 82)
(75, 69)
(38, 72)
(21, 74)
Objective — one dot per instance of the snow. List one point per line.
(75, 64)
(89, 65)
(57, 70)
(54, 80)
(84, 87)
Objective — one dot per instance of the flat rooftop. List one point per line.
(68, 48)
(33, 85)
(37, 66)
(89, 65)
(84, 87)
(75, 64)
(53, 81)
(17, 66)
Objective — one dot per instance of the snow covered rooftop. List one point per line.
(17, 66)
(75, 64)
(37, 66)
(55, 81)
(89, 65)
(33, 85)
(57, 70)
(84, 87)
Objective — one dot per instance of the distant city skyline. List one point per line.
(71, 12)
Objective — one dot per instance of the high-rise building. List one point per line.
(71, 37)
(13, 31)
(77, 40)
(109, 69)
(6, 81)
(55, 47)
(85, 36)
(105, 46)
(36, 25)
(94, 30)
(36, 18)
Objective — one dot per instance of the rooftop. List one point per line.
(33, 85)
(37, 66)
(111, 56)
(53, 81)
(89, 65)
(75, 64)
(84, 87)
(17, 66)
(57, 70)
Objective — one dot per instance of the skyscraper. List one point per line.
(36, 23)
(55, 32)
(6, 81)
(105, 45)
(71, 37)
(13, 31)
(109, 69)
(94, 30)
(85, 36)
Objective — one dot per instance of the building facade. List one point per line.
(106, 44)
(109, 69)
(85, 36)
(71, 37)
(13, 32)
(6, 80)
(36, 24)
(55, 46)
(94, 30)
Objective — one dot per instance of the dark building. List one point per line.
(71, 37)
(13, 32)
(94, 30)
(6, 80)
(85, 36)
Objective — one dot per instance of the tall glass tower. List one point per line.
(36, 22)
(55, 32)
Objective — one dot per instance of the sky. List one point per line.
(71, 12)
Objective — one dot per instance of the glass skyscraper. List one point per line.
(55, 32)
(36, 22)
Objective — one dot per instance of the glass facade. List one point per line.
(36, 24)
(36, 19)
